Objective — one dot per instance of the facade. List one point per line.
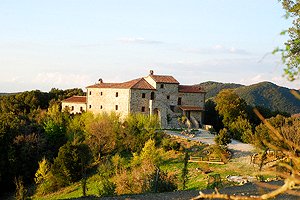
(75, 104)
(159, 95)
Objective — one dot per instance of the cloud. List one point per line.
(138, 40)
(63, 80)
(217, 49)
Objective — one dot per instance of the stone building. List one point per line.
(159, 95)
(75, 104)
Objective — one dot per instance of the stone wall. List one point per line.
(73, 107)
(105, 100)
(138, 103)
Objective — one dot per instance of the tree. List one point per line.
(230, 106)
(291, 50)
(70, 164)
(102, 134)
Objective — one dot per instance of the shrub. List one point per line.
(70, 163)
(168, 145)
(106, 187)
(223, 138)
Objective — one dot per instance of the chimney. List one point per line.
(151, 72)
(100, 80)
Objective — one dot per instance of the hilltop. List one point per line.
(264, 94)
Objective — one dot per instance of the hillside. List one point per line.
(265, 94)
(213, 88)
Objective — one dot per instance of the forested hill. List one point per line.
(265, 94)
(213, 88)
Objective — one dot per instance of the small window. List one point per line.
(179, 101)
(152, 95)
(101, 93)
(116, 107)
(161, 85)
(143, 109)
(90, 93)
(72, 108)
(168, 97)
(117, 94)
(101, 107)
(81, 109)
(143, 95)
(172, 108)
(90, 106)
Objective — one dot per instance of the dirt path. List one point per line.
(238, 148)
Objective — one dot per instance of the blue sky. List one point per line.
(73, 43)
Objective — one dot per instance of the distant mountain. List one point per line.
(265, 94)
(6, 94)
(213, 88)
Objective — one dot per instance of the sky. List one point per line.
(72, 43)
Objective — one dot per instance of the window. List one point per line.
(72, 108)
(117, 94)
(90, 106)
(143, 95)
(101, 93)
(152, 96)
(172, 108)
(81, 109)
(143, 109)
(161, 85)
(101, 107)
(168, 97)
(90, 93)
(179, 101)
(116, 107)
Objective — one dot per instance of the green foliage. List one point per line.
(241, 129)
(223, 138)
(290, 52)
(168, 144)
(287, 129)
(213, 88)
(106, 187)
(139, 128)
(230, 106)
(103, 134)
(268, 95)
(70, 164)
(265, 95)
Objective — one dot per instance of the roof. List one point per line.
(164, 79)
(139, 83)
(191, 108)
(75, 99)
(190, 89)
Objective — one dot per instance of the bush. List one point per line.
(168, 145)
(165, 182)
(223, 138)
(106, 187)
(70, 164)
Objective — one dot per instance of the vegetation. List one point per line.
(272, 98)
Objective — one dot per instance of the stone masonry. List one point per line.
(160, 95)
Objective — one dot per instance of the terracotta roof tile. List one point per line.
(164, 79)
(190, 89)
(139, 83)
(75, 99)
(191, 108)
